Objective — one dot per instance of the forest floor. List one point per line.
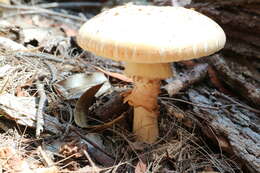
(44, 73)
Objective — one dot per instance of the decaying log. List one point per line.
(186, 79)
(240, 21)
(234, 18)
(235, 129)
(242, 49)
(238, 75)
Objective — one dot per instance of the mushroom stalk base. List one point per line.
(144, 100)
(145, 125)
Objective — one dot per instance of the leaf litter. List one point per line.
(69, 148)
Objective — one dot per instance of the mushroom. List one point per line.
(147, 39)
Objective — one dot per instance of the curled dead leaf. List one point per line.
(82, 110)
(74, 86)
(83, 104)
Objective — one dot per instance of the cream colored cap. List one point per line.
(151, 34)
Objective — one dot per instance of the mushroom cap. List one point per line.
(151, 34)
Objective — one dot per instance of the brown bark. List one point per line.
(234, 126)
(183, 81)
(240, 76)
(240, 20)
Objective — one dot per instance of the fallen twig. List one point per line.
(2, 89)
(43, 56)
(115, 75)
(70, 5)
(52, 70)
(46, 159)
(49, 57)
(42, 101)
(45, 14)
(93, 165)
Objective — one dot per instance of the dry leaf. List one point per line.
(74, 86)
(20, 92)
(141, 167)
(83, 104)
(11, 160)
(23, 111)
(179, 115)
(14, 162)
(11, 45)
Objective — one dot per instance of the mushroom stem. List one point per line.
(143, 97)
(144, 100)
(145, 125)
(149, 71)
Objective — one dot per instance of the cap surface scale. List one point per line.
(151, 34)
